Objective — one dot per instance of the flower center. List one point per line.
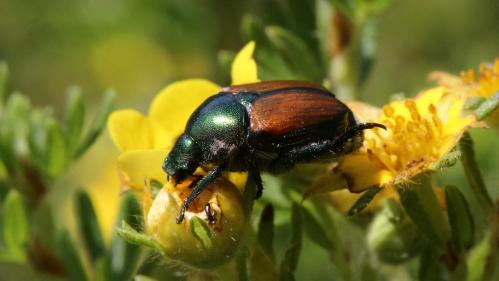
(412, 139)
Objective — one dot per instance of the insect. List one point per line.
(265, 126)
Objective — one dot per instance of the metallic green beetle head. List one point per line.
(183, 160)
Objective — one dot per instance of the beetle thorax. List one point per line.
(219, 127)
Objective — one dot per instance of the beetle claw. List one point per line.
(210, 214)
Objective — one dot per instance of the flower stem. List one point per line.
(473, 173)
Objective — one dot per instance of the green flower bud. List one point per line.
(197, 242)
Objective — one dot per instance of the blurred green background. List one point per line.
(138, 47)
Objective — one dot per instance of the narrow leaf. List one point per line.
(315, 231)
(57, 154)
(449, 160)
(202, 232)
(134, 237)
(460, 218)
(242, 264)
(477, 259)
(15, 225)
(421, 205)
(431, 268)
(89, 225)
(123, 259)
(266, 230)
(363, 201)
(295, 52)
(4, 73)
(71, 258)
(473, 174)
(98, 124)
(74, 117)
(487, 107)
(290, 261)
(473, 103)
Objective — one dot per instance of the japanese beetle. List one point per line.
(266, 126)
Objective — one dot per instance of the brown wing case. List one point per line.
(291, 117)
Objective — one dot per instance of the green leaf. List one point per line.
(89, 225)
(368, 49)
(242, 264)
(266, 231)
(473, 174)
(477, 259)
(98, 124)
(345, 6)
(431, 268)
(449, 160)
(15, 225)
(473, 103)
(3, 171)
(71, 258)
(295, 52)
(421, 205)
(134, 237)
(4, 73)
(123, 258)
(363, 201)
(253, 29)
(316, 232)
(290, 261)
(487, 107)
(74, 117)
(225, 59)
(202, 232)
(57, 154)
(460, 218)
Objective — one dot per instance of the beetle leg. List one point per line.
(314, 151)
(200, 186)
(257, 178)
(254, 173)
(209, 214)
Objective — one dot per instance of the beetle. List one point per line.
(265, 126)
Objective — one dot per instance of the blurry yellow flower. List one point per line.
(476, 88)
(144, 142)
(420, 132)
(485, 83)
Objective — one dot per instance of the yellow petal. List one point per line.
(130, 130)
(362, 173)
(244, 66)
(140, 165)
(173, 106)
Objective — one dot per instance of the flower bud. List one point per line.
(196, 241)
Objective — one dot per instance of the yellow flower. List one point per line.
(476, 88)
(144, 142)
(420, 132)
(485, 83)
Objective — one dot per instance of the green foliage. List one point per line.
(89, 226)
(460, 219)
(15, 227)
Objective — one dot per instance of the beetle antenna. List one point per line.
(361, 127)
